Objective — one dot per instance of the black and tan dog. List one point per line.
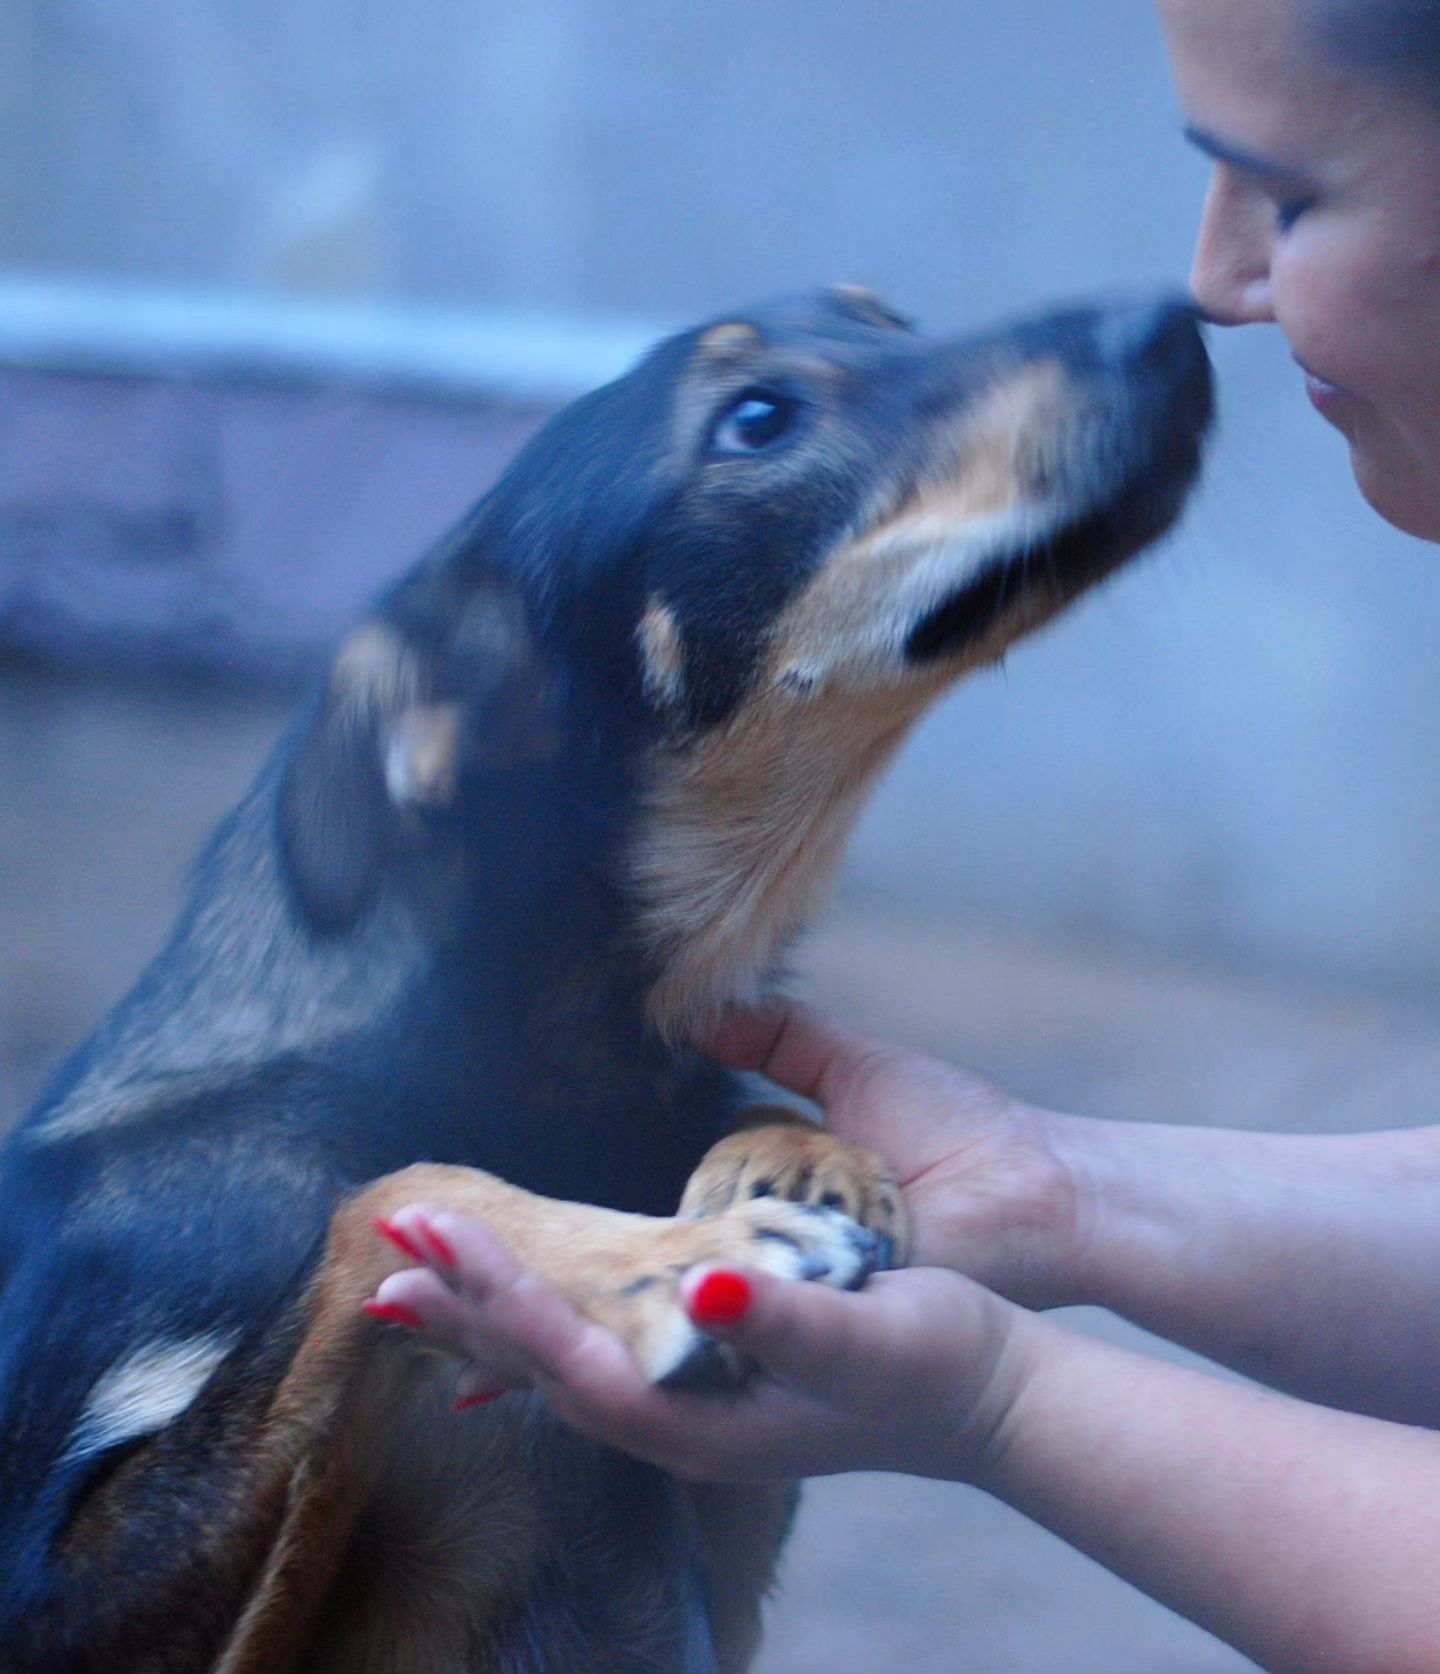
(565, 796)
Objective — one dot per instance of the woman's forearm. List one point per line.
(1306, 1262)
(1301, 1535)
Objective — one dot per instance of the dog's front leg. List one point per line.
(623, 1270)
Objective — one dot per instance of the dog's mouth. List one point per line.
(982, 605)
(1034, 578)
(1099, 460)
(1045, 560)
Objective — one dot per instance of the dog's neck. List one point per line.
(737, 840)
(742, 834)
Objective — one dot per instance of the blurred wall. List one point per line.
(1230, 751)
(652, 157)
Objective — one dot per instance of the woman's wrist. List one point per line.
(1134, 1210)
(1167, 1221)
(1027, 1229)
(1107, 1203)
(1091, 1158)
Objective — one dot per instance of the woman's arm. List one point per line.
(1303, 1536)
(1306, 1262)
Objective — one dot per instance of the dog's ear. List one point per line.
(504, 692)
(396, 729)
(334, 807)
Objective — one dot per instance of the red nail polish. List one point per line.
(439, 1246)
(401, 1239)
(394, 1313)
(465, 1402)
(720, 1298)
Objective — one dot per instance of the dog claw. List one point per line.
(709, 1367)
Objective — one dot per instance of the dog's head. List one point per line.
(742, 571)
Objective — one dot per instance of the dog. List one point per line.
(565, 796)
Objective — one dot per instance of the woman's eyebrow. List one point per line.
(1237, 157)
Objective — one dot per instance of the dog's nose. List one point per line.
(1146, 330)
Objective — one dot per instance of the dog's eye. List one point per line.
(753, 421)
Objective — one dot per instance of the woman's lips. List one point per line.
(1326, 397)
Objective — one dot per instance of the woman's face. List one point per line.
(1323, 216)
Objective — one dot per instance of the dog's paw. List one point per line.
(800, 1163)
(791, 1240)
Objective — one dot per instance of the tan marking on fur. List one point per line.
(744, 833)
(853, 619)
(329, 1427)
(320, 1441)
(420, 756)
(449, 1546)
(870, 301)
(662, 653)
(726, 340)
(375, 669)
(334, 1421)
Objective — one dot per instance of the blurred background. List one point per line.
(282, 287)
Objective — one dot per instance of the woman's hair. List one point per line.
(1394, 38)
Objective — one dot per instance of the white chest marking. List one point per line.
(146, 1391)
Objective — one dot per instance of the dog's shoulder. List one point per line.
(105, 1339)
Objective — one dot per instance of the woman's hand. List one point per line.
(991, 1184)
(914, 1373)
(1300, 1534)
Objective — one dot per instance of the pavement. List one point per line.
(110, 789)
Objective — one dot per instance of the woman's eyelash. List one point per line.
(1289, 212)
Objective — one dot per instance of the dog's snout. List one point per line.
(1156, 329)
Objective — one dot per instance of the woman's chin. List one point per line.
(1402, 491)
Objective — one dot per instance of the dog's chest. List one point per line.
(629, 1143)
(621, 1126)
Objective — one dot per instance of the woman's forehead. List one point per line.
(1251, 75)
(1379, 42)
(1261, 37)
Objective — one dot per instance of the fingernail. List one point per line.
(439, 1246)
(720, 1298)
(465, 1402)
(401, 1239)
(394, 1313)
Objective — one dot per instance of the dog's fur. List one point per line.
(565, 796)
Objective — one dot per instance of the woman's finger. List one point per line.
(803, 1334)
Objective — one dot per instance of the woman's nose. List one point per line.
(1230, 277)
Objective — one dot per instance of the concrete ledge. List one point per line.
(213, 484)
(499, 355)
(161, 524)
